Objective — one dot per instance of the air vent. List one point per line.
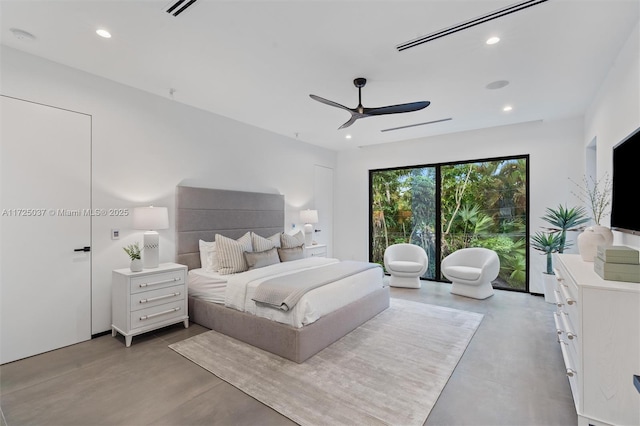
(468, 24)
(415, 125)
(175, 8)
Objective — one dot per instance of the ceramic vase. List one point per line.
(136, 265)
(549, 283)
(591, 238)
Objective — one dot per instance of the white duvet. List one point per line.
(312, 306)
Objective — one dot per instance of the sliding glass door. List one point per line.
(446, 207)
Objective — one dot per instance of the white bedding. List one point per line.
(240, 288)
(209, 286)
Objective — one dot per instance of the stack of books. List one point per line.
(618, 263)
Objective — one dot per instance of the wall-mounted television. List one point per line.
(625, 194)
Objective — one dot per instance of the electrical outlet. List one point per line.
(115, 234)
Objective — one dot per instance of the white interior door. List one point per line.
(323, 194)
(45, 287)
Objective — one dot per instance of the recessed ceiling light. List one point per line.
(493, 40)
(507, 108)
(103, 33)
(348, 137)
(22, 34)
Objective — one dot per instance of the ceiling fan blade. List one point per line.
(395, 109)
(352, 120)
(328, 102)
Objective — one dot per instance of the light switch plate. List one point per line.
(115, 234)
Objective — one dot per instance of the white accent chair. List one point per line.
(471, 271)
(406, 263)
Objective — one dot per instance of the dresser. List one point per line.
(316, 250)
(148, 300)
(598, 328)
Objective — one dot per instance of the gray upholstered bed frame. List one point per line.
(201, 213)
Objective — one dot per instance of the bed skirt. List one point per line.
(295, 344)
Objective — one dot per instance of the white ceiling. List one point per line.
(258, 61)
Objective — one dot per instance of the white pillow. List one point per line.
(231, 253)
(290, 241)
(208, 256)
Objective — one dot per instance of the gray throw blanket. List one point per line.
(285, 291)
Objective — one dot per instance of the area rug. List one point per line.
(388, 371)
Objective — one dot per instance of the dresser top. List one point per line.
(583, 274)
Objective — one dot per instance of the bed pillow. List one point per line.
(275, 239)
(260, 259)
(208, 256)
(290, 241)
(262, 244)
(293, 253)
(231, 253)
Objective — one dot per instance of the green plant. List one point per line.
(596, 194)
(565, 219)
(547, 243)
(133, 250)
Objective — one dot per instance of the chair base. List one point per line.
(405, 282)
(475, 291)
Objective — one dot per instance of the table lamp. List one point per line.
(308, 217)
(150, 219)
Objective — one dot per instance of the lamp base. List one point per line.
(308, 234)
(151, 249)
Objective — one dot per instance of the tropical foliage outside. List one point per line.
(482, 204)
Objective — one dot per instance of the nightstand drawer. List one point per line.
(155, 281)
(318, 250)
(157, 297)
(154, 314)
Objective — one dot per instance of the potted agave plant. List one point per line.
(547, 243)
(134, 251)
(562, 220)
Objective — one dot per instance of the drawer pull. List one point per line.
(571, 372)
(570, 335)
(558, 298)
(172, 280)
(153, 299)
(566, 296)
(557, 321)
(565, 325)
(146, 317)
(565, 356)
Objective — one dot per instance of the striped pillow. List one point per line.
(264, 244)
(231, 253)
(290, 241)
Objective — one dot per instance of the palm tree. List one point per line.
(564, 219)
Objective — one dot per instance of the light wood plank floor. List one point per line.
(511, 374)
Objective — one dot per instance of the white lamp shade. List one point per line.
(309, 216)
(150, 218)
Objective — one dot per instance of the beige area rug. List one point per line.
(389, 371)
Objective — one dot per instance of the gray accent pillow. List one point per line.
(260, 259)
(263, 244)
(231, 253)
(293, 253)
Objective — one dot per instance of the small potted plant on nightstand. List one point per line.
(133, 250)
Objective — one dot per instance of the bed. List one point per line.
(224, 302)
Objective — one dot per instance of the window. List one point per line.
(446, 207)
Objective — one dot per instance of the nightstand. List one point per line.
(316, 250)
(148, 300)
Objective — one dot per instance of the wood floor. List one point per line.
(511, 374)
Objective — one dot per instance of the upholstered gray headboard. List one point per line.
(201, 213)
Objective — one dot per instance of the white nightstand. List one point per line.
(148, 300)
(316, 250)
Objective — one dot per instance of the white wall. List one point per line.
(615, 113)
(144, 145)
(555, 150)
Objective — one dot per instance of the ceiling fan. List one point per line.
(362, 112)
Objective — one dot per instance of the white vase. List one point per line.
(136, 265)
(591, 238)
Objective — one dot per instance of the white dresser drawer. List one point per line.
(156, 297)
(160, 313)
(160, 280)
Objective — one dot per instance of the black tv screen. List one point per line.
(625, 214)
